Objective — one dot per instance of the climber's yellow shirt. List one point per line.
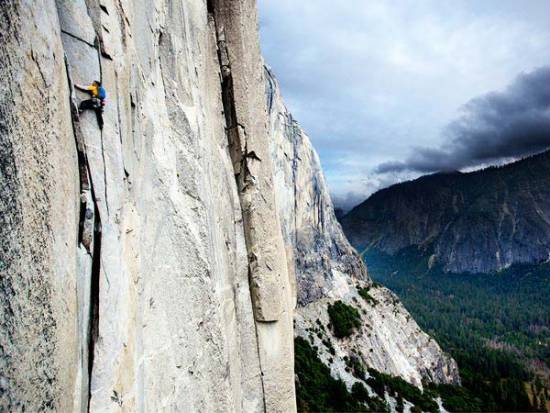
(94, 89)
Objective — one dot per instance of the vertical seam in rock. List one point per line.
(101, 130)
(93, 330)
(232, 126)
(119, 120)
(259, 358)
(84, 181)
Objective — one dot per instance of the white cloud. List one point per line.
(369, 80)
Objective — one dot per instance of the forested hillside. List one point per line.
(495, 326)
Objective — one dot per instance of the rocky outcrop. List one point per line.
(482, 221)
(135, 275)
(388, 340)
(328, 269)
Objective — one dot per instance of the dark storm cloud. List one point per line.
(494, 127)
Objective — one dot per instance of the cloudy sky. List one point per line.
(391, 89)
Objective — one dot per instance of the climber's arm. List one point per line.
(88, 89)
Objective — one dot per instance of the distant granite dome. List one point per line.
(482, 221)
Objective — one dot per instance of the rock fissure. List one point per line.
(74, 36)
(93, 332)
(84, 237)
(89, 229)
(260, 362)
(239, 162)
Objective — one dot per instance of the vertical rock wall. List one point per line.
(133, 278)
(247, 124)
(39, 214)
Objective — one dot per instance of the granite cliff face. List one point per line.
(135, 275)
(481, 221)
(155, 265)
(328, 269)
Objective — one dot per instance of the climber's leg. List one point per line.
(86, 104)
(99, 116)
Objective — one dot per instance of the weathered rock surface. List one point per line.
(482, 221)
(39, 214)
(125, 260)
(328, 269)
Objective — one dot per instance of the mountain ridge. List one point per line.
(480, 221)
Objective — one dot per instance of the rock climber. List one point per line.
(96, 102)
